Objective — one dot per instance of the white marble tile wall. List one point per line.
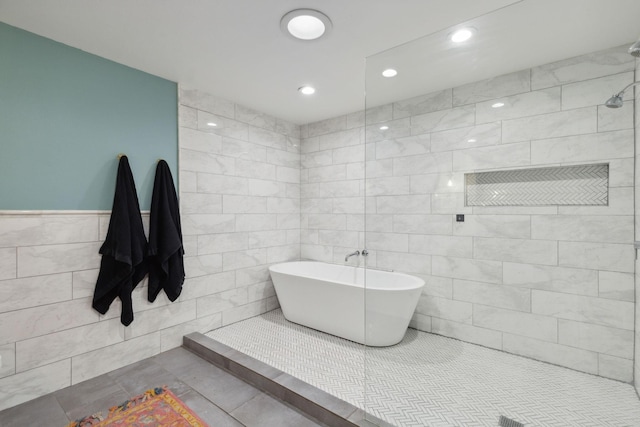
(240, 206)
(547, 282)
(240, 211)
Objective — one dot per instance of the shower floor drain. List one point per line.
(508, 422)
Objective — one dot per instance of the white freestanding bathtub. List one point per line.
(332, 298)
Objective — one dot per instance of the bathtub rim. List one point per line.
(415, 281)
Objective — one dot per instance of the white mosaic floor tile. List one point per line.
(430, 380)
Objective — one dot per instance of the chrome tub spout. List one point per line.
(356, 253)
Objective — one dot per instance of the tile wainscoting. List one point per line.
(240, 212)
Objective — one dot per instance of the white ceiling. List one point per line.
(235, 49)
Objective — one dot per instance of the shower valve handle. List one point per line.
(364, 252)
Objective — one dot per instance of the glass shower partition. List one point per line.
(502, 271)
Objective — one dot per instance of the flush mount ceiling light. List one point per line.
(307, 90)
(498, 105)
(212, 124)
(389, 72)
(384, 127)
(305, 24)
(462, 35)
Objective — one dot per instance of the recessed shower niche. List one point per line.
(561, 185)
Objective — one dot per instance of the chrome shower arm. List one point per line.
(627, 87)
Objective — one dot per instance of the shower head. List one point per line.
(616, 100)
(634, 49)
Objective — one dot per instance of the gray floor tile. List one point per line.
(209, 391)
(264, 411)
(207, 411)
(182, 363)
(43, 411)
(223, 389)
(91, 396)
(149, 376)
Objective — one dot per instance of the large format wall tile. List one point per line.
(582, 360)
(443, 120)
(599, 311)
(445, 308)
(466, 332)
(467, 269)
(603, 339)
(559, 279)
(97, 362)
(8, 263)
(615, 367)
(37, 382)
(500, 296)
(35, 291)
(591, 92)
(585, 228)
(497, 87)
(453, 246)
(593, 65)
(222, 301)
(601, 256)
(543, 328)
(65, 344)
(200, 141)
(47, 229)
(521, 105)
(583, 148)
(50, 259)
(615, 118)
(469, 137)
(422, 104)
(507, 226)
(8, 358)
(516, 250)
(32, 322)
(551, 125)
(203, 101)
(492, 157)
(408, 146)
(422, 224)
(616, 286)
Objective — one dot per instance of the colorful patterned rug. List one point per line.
(155, 407)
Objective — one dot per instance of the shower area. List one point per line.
(512, 197)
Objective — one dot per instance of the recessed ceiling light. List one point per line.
(389, 72)
(212, 124)
(305, 24)
(307, 90)
(462, 35)
(384, 127)
(498, 105)
(471, 140)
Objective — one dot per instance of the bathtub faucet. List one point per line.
(356, 253)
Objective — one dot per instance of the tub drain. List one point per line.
(508, 422)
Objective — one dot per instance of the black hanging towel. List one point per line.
(166, 264)
(123, 263)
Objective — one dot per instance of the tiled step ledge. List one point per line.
(306, 398)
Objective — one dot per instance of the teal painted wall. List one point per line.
(65, 115)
